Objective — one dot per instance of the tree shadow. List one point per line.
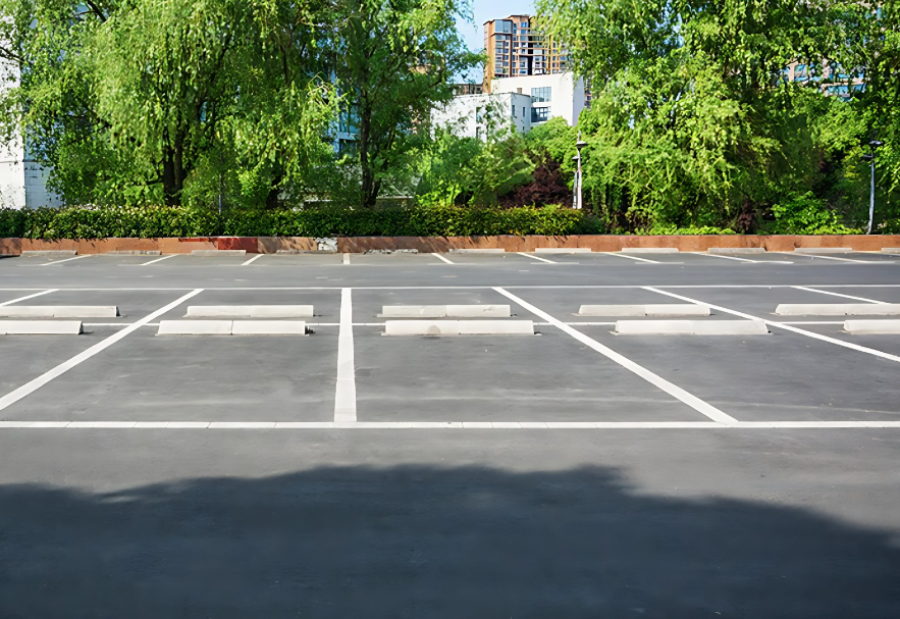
(418, 541)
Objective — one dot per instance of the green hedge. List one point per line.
(162, 221)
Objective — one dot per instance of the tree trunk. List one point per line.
(369, 185)
(173, 176)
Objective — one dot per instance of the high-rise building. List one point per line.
(515, 47)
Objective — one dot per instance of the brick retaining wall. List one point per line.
(600, 242)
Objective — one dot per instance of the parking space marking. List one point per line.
(618, 255)
(781, 325)
(447, 425)
(47, 264)
(345, 389)
(440, 257)
(31, 296)
(143, 264)
(36, 383)
(658, 381)
(345, 259)
(837, 294)
(702, 253)
(814, 256)
(256, 257)
(521, 253)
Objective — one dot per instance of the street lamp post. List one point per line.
(577, 158)
(870, 157)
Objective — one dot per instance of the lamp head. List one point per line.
(580, 144)
(876, 143)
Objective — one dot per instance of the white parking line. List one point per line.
(630, 257)
(31, 296)
(702, 253)
(447, 425)
(814, 256)
(345, 389)
(440, 257)
(781, 325)
(658, 381)
(521, 253)
(47, 264)
(837, 294)
(35, 384)
(345, 259)
(256, 257)
(143, 264)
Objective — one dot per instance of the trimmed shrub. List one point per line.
(89, 222)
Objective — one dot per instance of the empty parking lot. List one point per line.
(607, 462)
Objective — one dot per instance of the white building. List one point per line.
(557, 94)
(23, 181)
(525, 101)
(476, 116)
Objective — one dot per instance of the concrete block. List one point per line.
(691, 327)
(219, 252)
(50, 253)
(484, 250)
(414, 311)
(838, 309)
(59, 311)
(249, 311)
(194, 327)
(268, 327)
(40, 327)
(445, 311)
(478, 311)
(676, 309)
(736, 250)
(135, 252)
(649, 250)
(823, 250)
(668, 309)
(563, 250)
(872, 327)
(891, 250)
(458, 327)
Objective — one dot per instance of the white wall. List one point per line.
(566, 93)
(23, 182)
(462, 113)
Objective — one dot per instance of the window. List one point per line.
(513, 109)
(540, 95)
(540, 114)
(523, 112)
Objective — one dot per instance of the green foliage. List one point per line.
(169, 221)
(806, 214)
(694, 123)
(672, 230)
(395, 63)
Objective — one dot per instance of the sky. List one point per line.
(490, 9)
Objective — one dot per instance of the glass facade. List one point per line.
(540, 95)
(540, 114)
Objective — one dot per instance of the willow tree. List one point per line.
(694, 121)
(161, 100)
(394, 62)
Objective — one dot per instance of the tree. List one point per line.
(220, 91)
(394, 63)
(693, 120)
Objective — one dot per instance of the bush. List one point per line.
(87, 222)
(806, 214)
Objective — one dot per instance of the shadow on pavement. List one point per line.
(428, 542)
